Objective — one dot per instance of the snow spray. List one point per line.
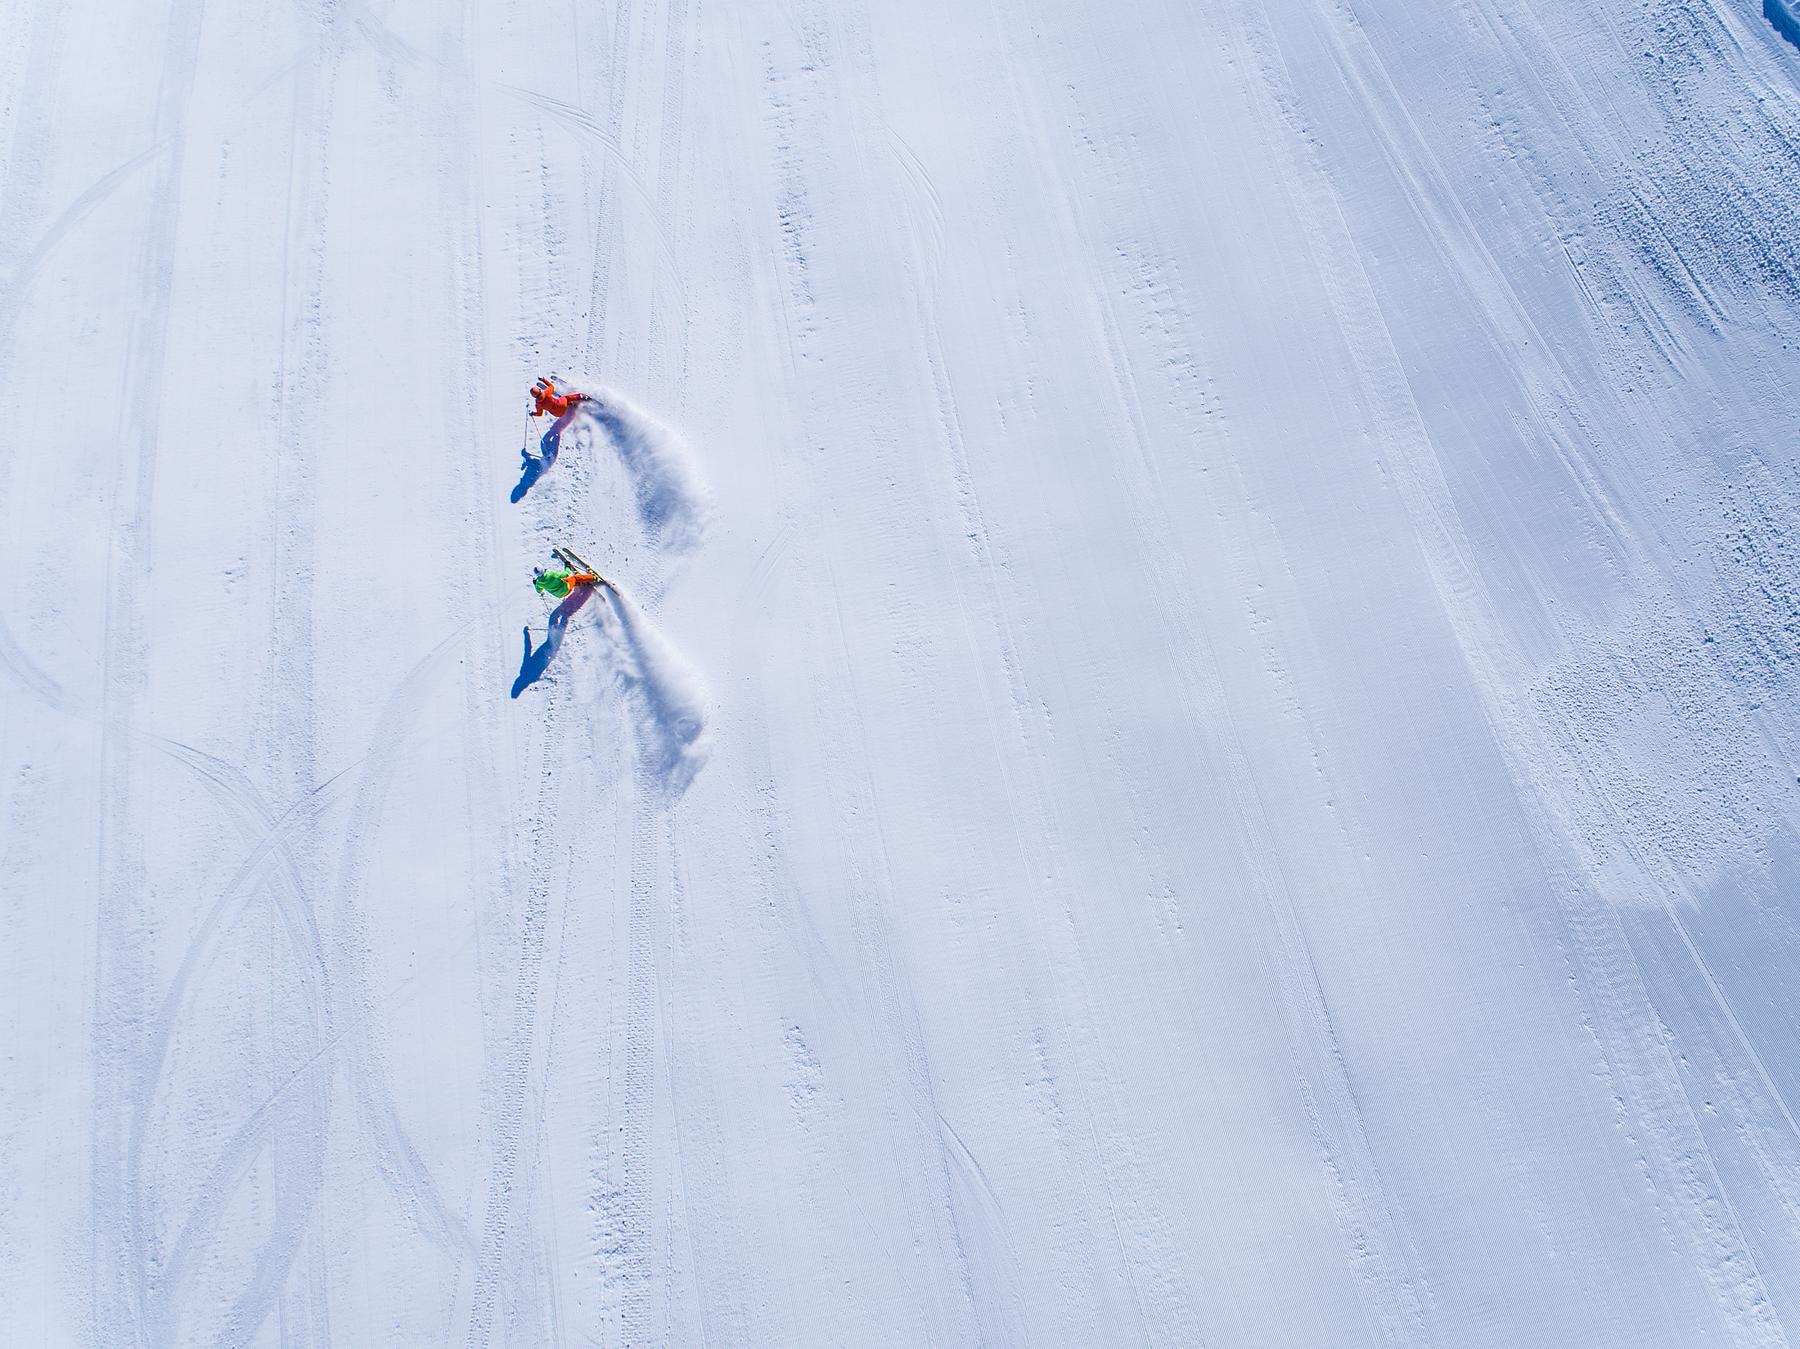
(672, 502)
(663, 696)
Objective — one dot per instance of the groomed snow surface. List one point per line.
(1196, 745)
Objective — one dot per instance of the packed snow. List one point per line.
(1189, 738)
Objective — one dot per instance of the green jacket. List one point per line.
(554, 583)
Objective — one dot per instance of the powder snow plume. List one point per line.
(671, 498)
(664, 698)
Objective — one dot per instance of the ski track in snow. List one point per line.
(121, 988)
(1211, 759)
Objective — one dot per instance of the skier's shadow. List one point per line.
(536, 662)
(536, 465)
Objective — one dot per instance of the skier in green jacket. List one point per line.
(558, 582)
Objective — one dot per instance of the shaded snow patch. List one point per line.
(1784, 18)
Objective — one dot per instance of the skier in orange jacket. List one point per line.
(547, 400)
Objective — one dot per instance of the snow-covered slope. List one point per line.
(1196, 744)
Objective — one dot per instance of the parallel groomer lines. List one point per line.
(120, 1243)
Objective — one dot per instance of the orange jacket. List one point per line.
(549, 401)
